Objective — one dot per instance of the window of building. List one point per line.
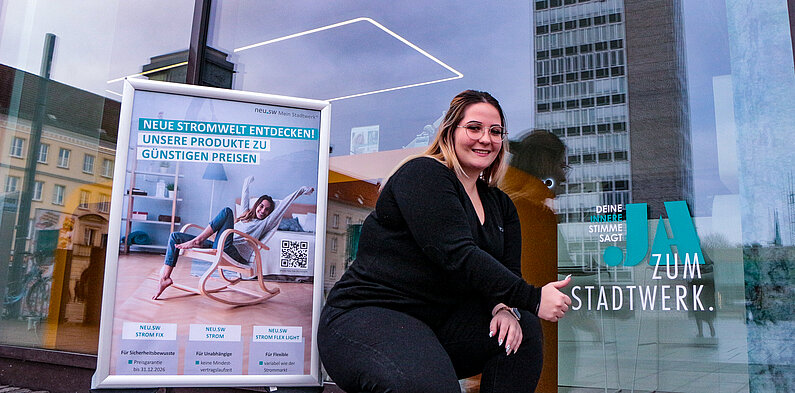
(556, 52)
(588, 158)
(602, 73)
(622, 185)
(571, 104)
(619, 127)
(617, 71)
(571, 50)
(88, 163)
(586, 103)
(63, 158)
(11, 183)
(541, 5)
(556, 79)
(333, 244)
(542, 54)
(618, 98)
(607, 186)
(58, 193)
(543, 81)
(335, 221)
(603, 128)
(614, 18)
(616, 44)
(573, 159)
(107, 167)
(599, 46)
(17, 147)
(569, 2)
(85, 199)
(555, 3)
(599, 20)
(44, 151)
(586, 75)
(555, 27)
(557, 106)
(620, 155)
(332, 270)
(542, 29)
(603, 100)
(570, 25)
(574, 188)
(542, 107)
(558, 131)
(38, 187)
(584, 22)
(605, 157)
(573, 131)
(104, 203)
(348, 221)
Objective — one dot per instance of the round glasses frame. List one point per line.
(475, 131)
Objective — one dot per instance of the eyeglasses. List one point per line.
(476, 130)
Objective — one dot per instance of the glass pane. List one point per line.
(54, 224)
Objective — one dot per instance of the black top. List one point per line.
(423, 249)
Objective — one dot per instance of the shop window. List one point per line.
(17, 147)
(44, 151)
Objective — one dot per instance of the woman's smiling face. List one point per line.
(264, 209)
(475, 155)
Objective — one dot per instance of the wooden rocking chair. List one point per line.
(222, 262)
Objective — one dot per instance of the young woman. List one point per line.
(436, 293)
(256, 221)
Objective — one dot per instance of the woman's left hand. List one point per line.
(507, 329)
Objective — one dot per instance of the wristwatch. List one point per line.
(513, 310)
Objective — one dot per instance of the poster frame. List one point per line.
(102, 378)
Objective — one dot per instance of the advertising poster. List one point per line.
(218, 211)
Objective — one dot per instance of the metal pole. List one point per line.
(198, 41)
(23, 216)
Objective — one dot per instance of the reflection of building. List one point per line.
(75, 158)
(349, 203)
(610, 79)
(364, 139)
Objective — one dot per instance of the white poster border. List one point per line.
(102, 378)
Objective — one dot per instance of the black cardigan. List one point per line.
(423, 249)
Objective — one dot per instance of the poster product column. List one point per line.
(159, 326)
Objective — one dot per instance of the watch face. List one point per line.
(516, 313)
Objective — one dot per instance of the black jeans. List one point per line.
(374, 349)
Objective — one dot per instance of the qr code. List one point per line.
(294, 254)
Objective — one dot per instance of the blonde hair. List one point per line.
(442, 148)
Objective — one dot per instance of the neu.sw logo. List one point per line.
(683, 237)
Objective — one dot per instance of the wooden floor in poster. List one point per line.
(138, 279)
